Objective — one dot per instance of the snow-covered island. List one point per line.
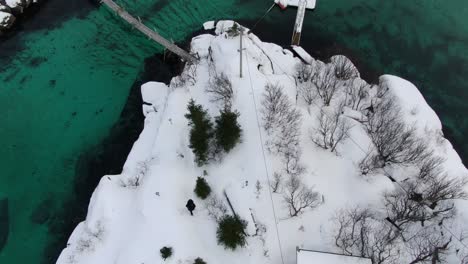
(10, 8)
(325, 162)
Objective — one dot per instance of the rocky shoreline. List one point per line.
(11, 9)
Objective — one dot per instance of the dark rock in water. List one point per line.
(4, 222)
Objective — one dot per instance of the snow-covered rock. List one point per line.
(6, 20)
(134, 214)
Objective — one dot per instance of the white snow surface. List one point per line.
(309, 257)
(13, 3)
(303, 54)
(209, 25)
(127, 224)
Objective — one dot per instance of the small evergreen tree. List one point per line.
(231, 232)
(166, 252)
(199, 261)
(202, 189)
(227, 130)
(201, 132)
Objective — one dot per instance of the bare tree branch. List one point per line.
(325, 82)
(394, 140)
(344, 68)
(332, 130)
(220, 89)
(298, 196)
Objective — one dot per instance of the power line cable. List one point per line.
(264, 160)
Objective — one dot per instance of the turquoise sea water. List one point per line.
(63, 85)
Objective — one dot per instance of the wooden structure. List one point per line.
(147, 31)
(296, 37)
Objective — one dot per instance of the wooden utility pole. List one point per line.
(147, 31)
(301, 8)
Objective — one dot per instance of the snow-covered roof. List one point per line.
(317, 257)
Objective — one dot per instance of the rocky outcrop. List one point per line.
(6, 20)
(9, 9)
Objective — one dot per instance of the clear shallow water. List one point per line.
(64, 87)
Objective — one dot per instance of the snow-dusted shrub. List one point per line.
(200, 133)
(332, 130)
(231, 232)
(370, 162)
(90, 237)
(142, 169)
(202, 189)
(188, 76)
(234, 31)
(190, 72)
(308, 92)
(358, 233)
(298, 196)
(166, 252)
(326, 83)
(303, 72)
(344, 68)
(220, 90)
(277, 181)
(216, 207)
(258, 188)
(199, 261)
(227, 130)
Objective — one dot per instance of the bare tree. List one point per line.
(298, 196)
(428, 245)
(277, 181)
(220, 89)
(190, 73)
(429, 166)
(215, 207)
(325, 82)
(332, 130)
(308, 92)
(370, 162)
(344, 68)
(394, 140)
(357, 92)
(407, 207)
(274, 105)
(282, 122)
(360, 234)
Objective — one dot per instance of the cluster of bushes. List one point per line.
(225, 134)
(166, 252)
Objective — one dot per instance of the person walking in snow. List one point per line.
(190, 206)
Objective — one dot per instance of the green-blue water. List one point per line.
(62, 87)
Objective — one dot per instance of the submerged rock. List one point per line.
(4, 222)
